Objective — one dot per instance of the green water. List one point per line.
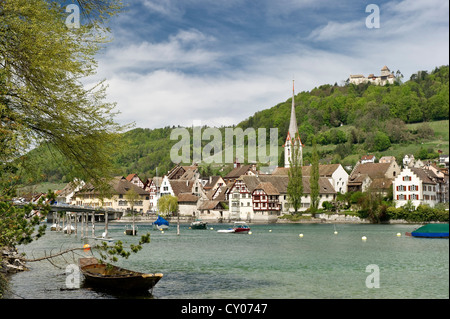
(271, 263)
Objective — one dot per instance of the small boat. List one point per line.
(239, 228)
(431, 231)
(198, 224)
(66, 229)
(161, 223)
(129, 230)
(55, 227)
(115, 278)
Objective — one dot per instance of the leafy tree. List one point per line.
(43, 100)
(314, 179)
(168, 204)
(42, 96)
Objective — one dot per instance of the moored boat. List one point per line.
(129, 230)
(115, 278)
(198, 224)
(239, 228)
(431, 231)
(161, 223)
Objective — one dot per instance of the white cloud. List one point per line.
(183, 50)
(193, 76)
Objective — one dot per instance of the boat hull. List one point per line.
(115, 278)
(198, 225)
(130, 232)
(429, 235)
(242, 230)
(431, 231)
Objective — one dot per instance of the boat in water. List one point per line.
(129, 230)
(198, 224)
(238, 228)
(68, 229)
(161, 223)
(111, 277)
(431, 231)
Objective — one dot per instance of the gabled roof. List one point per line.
(180, 186)
(268, 188)
(118, 186)
(426, 176)
(131, 176)
(187, 198)
(281, 182)
(181, 170)
(209, 205)
(324, 170)
(239, 171)
(374, 170)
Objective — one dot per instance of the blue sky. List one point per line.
(174, 62)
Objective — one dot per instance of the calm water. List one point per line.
(266, 264)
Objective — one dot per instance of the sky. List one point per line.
(173, 62)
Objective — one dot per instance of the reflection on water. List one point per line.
(265, 264)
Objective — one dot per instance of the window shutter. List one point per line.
(409, 196)
(397, 197)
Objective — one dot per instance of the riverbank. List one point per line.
(304, 219)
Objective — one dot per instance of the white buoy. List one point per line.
(249, 232)
(270, 230)
(364, 238)
(301, 235)
(335, 232)
(211, 228)
(399, 235)
(162, 231)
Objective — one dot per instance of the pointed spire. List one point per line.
(293, 129)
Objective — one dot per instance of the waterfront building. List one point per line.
(239, 170)
(66, 195)
(88, 195)
(417, 185)
(134, 179)
(376, 177)
(336, 174)
(246, 204)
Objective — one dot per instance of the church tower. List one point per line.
(293, 137)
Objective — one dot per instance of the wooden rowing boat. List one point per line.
(116, 278)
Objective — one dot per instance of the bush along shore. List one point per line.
(10, 263)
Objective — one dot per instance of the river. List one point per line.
(273, 262)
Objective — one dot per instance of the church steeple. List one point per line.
(293, 137)
(293, 129)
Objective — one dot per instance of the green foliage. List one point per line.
(423, 213)
(42, 96)
(168, 204)
(111, 253)
(374, 117)
(295, 184)
(314, 179)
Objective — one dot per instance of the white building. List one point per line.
(417, 185)
(65, 196)
(385, 78)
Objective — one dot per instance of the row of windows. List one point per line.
(415, 197)
(403, 188)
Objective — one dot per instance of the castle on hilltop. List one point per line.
(385, 77)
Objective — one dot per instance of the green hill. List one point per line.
(347, 121)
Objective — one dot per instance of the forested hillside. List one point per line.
(347, 121)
